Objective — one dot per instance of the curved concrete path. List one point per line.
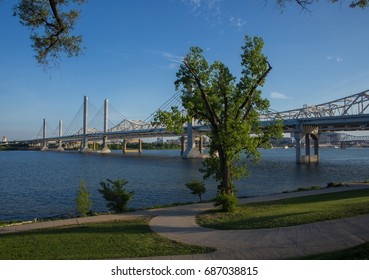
(178, 223)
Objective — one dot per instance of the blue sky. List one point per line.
(133, 49)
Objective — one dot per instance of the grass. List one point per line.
(360, 252)
(111, 240)
(290, 212)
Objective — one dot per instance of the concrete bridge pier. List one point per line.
(182, 144)
(60, 146)
(105, 149)
(124, 144)
(191, 151)
(201, 144)
(310, 133)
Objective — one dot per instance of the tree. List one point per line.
(305, 3)
(57, 23)
(197, 188)
(83, 200)
(211, 95)
(115, 195)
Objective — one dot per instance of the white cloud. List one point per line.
(214, 12)
(209, 10)
(278, 95)
(173, 66)
(334, 58)
(204, 6)
(171, 57)
(122, 54)
(237, 22)
(174, 60)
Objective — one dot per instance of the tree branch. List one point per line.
(225, 102)
(213, 118)
(61, 26)
(252, 90)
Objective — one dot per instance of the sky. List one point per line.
(132, 51)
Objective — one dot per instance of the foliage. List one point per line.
(290, 211)
(305, 3)
(197, 188)
(312, 188)
(110, 240)
(51, 23)
(115, 194)
(173, 120)
(336, 184)
(83, 200)
(231, 109)
(227, 202)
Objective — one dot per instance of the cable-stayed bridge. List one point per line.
(350, 113)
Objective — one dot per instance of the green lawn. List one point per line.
(360, 252)
(112, 240)
(290, 212)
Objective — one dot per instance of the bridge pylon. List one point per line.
(84, 147)
(105, 148)
(44, 142)
(60, 142)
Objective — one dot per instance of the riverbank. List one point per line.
(178, 224)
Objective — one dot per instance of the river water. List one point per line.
(44, 184)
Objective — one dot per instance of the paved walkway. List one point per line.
(277, 243)
(178, 223)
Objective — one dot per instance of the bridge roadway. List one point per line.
(350, 113)
(304, 127)
(325, 124)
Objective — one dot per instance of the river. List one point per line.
(44, 184)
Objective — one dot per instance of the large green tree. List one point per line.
(51, 23)
(230, 107)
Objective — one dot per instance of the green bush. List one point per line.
(227, 202)
(336, 184)
(115, 195)
(83, 200)
(197, 188)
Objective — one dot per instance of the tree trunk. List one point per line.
(226, 183)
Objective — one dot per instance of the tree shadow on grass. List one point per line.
(271, 221)
(318, 198)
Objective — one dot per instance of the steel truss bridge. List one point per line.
(350, 113)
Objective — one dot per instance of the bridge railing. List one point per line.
(356, 104)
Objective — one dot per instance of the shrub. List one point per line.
(336, 184)
(115, 195)
(227, 202)
(83, 200)
(197, 188)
